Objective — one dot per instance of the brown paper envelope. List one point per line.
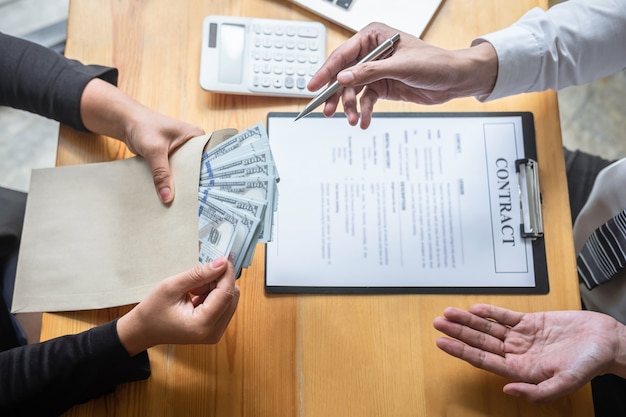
(97, 236)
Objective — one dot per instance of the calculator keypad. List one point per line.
(284, 56)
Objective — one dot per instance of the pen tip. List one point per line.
(298, 117)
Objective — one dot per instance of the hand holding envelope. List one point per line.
(96, 237)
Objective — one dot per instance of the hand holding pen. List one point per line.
(380, 52)
(415, 72)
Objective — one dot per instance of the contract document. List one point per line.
(419, 202)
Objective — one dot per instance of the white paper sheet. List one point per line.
(410, 202)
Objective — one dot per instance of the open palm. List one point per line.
(546, 355)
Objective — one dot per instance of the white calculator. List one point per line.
(269, 57)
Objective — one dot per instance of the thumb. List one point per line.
(199, 276)
(162, 176)
(365, 73)
(545, 391)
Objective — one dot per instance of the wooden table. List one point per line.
(307, 355)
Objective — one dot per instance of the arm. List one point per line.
(46, 379)
(41, 81)
(50, 377)
(574, 42)
(546, 355)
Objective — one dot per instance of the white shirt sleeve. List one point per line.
(572, 43)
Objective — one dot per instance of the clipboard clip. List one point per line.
(530, 198)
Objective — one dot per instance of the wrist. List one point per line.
(130, 335)
(481, 69)
(106, 110)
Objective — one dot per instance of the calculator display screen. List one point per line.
(232, 40)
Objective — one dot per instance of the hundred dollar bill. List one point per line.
(248, 164)
(252, 134)
(216, 233)
(246, 234)
(260, 145)
(254, 208)
(256, 147)
(259, 188)
(253, 167)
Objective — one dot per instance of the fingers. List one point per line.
(479, 340)
(469, 327)
(162, 176)
(349, 106)
(217, 309)
(368, 99)
(211, 283)
(219, 304)
(501, 315)
(474, 356)
(330, 107)
(469, 336)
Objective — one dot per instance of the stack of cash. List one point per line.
(237, 197)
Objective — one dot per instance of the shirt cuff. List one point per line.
(519, 60)
(72, 83)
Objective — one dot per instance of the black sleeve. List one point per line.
(48, 378)
(42, 81)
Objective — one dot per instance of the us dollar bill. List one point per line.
(216, 232)
(246, 235)
(252, 207)
(250, 135)
(260, 188)
(248, 164)
(255, 208)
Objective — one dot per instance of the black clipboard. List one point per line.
(525, 182)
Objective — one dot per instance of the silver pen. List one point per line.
(382, 50)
